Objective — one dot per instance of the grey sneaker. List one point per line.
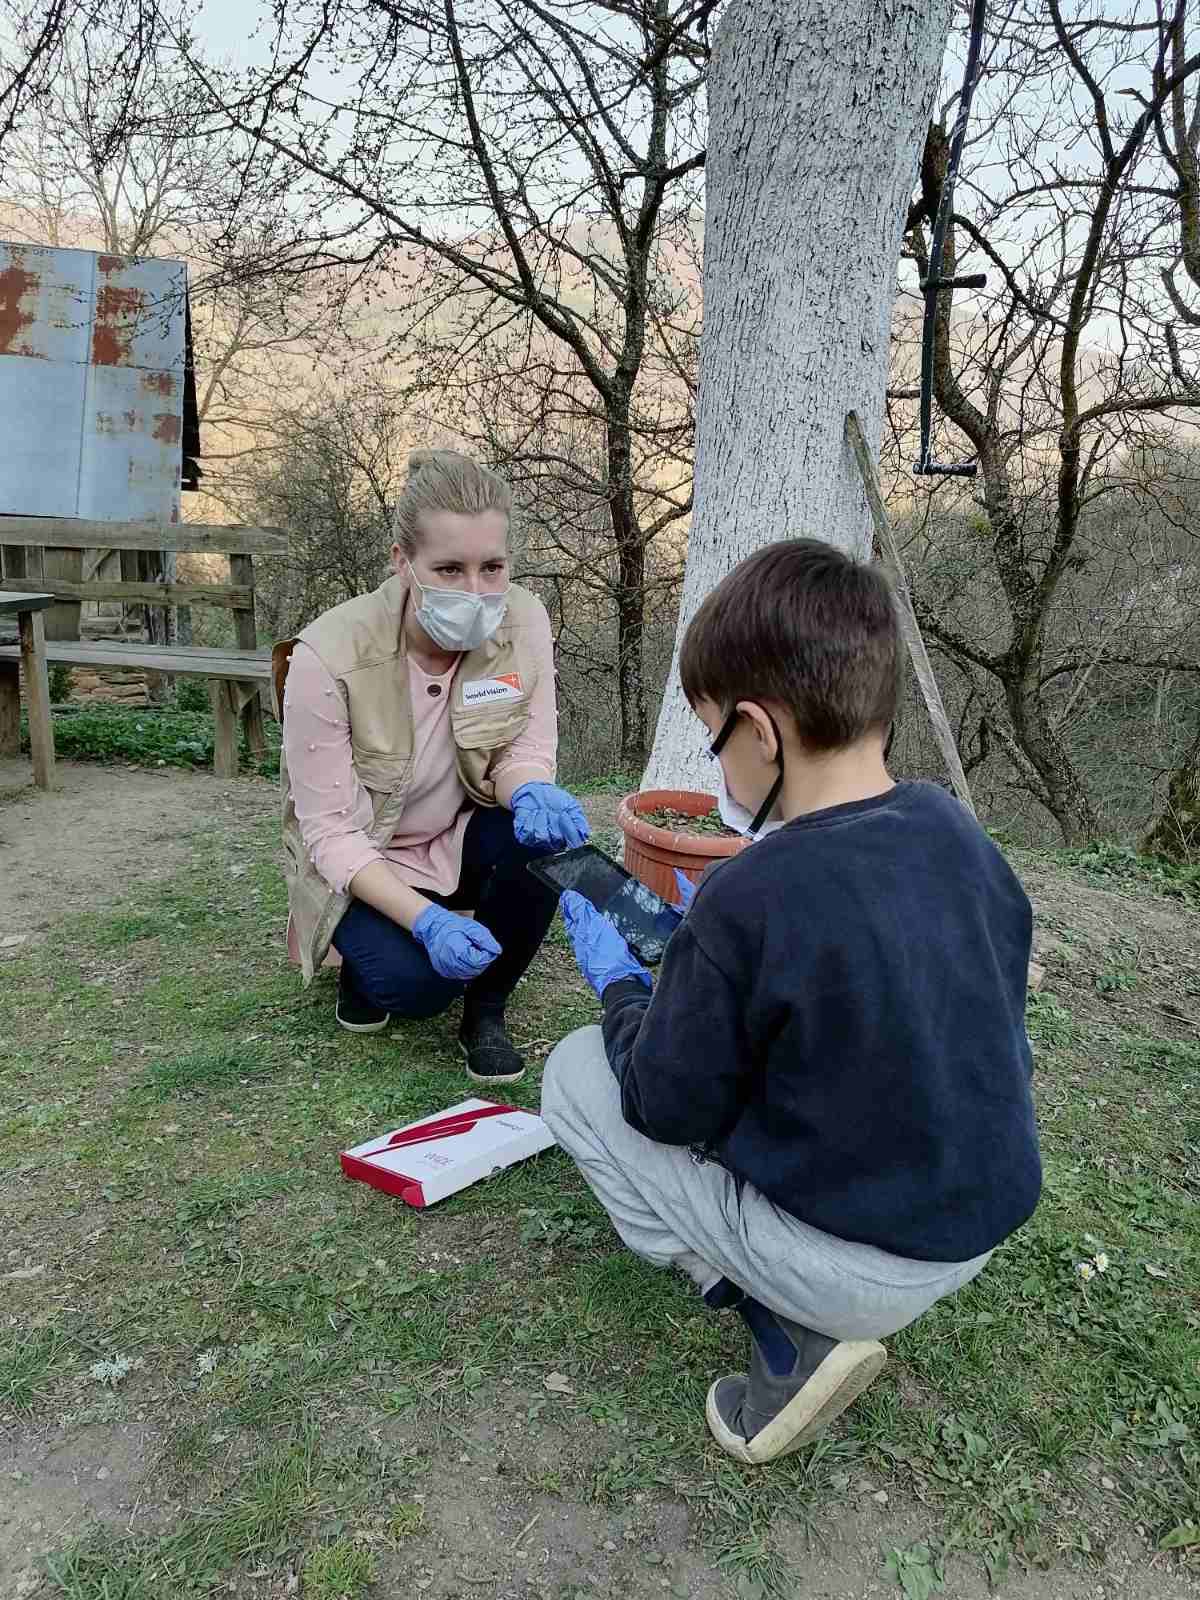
(799, 1381)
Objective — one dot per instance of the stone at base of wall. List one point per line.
(117, 685)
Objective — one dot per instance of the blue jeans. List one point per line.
(384, 964)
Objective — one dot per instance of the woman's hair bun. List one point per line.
(420, 458)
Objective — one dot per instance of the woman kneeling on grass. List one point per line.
(420, 731)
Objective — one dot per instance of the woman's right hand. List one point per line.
(458, 947)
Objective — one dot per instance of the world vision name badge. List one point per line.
(482, 691)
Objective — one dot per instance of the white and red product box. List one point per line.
(428, 1160)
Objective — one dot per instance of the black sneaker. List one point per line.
(354, 1013)
(491, 1055)
(799, 1381)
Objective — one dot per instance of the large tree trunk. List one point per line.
(631, 590)
(817, 118)
(1064, 795)
(1175, 832)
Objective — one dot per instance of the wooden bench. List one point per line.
(28, 609)
(237, 674)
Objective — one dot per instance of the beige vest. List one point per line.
(362, 645)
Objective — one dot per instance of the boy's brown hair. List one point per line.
(804, 625)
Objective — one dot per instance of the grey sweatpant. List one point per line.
(676, 1211)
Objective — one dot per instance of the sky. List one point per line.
(225, 28)
(240, 31)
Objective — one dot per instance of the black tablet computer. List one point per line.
(642, 919)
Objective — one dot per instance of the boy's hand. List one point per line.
(687, 892)
(602, 954)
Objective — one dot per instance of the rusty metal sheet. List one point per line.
(44, 298)
(91, 384)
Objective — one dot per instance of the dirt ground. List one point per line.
(517, 1547)
(514, 1546)
(106, 828)
(103, 828)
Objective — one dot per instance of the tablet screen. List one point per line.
(642, 919)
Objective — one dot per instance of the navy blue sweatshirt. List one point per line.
(840, 1021)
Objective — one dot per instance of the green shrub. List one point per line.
(1122, 864)
(191, 694)
(147, 737)
(61, 683)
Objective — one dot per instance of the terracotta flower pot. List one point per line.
(652, 853)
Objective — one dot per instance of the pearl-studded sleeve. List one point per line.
(530, 758)
(332, 807)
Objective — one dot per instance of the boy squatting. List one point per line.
(822, 1111)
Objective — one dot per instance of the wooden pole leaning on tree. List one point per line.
(909, 626)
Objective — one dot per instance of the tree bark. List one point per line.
(1062, 792)
(817, 117)
(1175, 832)
(631, 587)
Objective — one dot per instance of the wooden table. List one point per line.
(31, 628)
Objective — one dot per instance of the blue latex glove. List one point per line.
(602, 954)
(457, 947)
(546, 815)
(687, 892)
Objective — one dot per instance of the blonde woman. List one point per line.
(420, 733)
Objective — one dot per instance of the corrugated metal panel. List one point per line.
(91, 384)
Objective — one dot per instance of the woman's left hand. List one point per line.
(548, 817)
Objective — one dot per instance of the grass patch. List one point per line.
(1048, 1021)
(264, 1515)
(338, 1571)
(1146, 1054)
(218, 1197)
(617, 783)
(1115, 863)
(277, 1323)
(29, 1363)
(212, 1066)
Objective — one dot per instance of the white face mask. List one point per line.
(735, 815)
(753, 824)
(455, 619)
